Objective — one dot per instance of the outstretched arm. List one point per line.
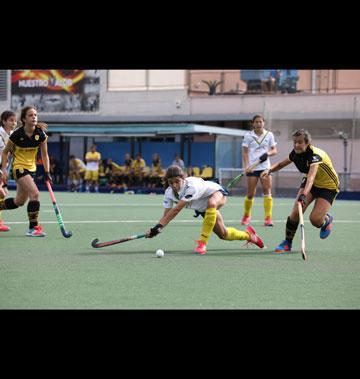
(169, 214)
(172, 213)
(276, 167)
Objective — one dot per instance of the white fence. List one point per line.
(285, 182)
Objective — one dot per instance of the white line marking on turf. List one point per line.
(131, 205)
(173, 221)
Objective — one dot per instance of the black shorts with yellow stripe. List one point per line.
(324, 193)
(20, 172)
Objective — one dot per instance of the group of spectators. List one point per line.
(95, 172)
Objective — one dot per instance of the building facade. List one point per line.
(326, 102)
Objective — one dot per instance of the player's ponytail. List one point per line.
(43, 126)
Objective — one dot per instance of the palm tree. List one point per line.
(212, 84)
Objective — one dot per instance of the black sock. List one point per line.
(33, 208)
(291, 227)
(8, 204)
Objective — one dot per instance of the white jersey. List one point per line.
(195, 192)
(4, 138)
(257, 146)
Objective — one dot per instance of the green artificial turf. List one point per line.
(58, 273)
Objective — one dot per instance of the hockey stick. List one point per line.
(57, 213)
(96, 244)
(237, 178)
(302, 228)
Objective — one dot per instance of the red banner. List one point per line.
(56, 90)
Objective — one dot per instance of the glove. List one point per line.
(263, 157)
(155, 230)
(302, 200)
(48, 178)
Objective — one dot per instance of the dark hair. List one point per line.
(43, 126)
(172, 172)
(257, 116)
(24, 111)
(304, 133)
(5, 115)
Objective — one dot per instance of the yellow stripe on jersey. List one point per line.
(326, 176)
(332, 181)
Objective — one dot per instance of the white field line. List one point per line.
(154, 221)
(135, 205)
(239, 204)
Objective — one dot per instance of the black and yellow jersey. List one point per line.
(26, 148)
(326, 176)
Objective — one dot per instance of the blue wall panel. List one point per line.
(114, 150)
(203, 153)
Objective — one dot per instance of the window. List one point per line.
(3, 85)
(143, 80)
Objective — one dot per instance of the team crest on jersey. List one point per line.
(37, 137)
(316, 159)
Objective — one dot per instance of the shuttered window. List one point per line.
(3, 85)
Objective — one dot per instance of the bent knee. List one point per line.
(222, 235)
(212, 204)
(34, 196)
(316, 221)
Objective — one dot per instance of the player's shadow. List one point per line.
(232, 252)
(220, 252)
(210, 252)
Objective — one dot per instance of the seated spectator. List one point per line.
(138, 167)
(178, 162)
(76, 173)
(127, 172)
(156, 172)
(190, 171)
(104, 172)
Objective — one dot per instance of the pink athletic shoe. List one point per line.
(200, 248)
(254, 238)
(37, 231)
(3, 227)
(245, 220)
(268, 221)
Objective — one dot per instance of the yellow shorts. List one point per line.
(92, 175)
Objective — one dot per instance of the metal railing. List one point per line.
(285, 182)
(271, 82)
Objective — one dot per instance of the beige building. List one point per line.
(326, 102)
